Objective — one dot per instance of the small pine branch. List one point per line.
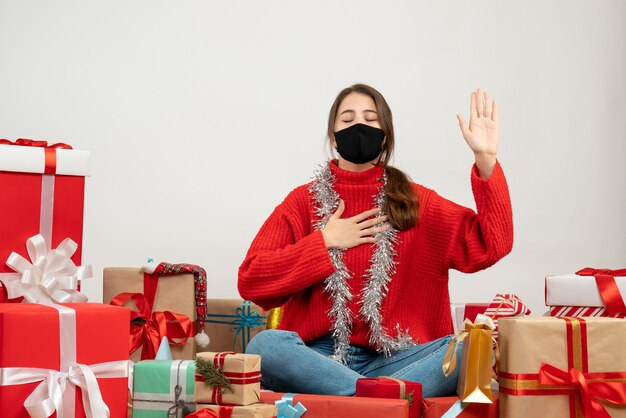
(212, 375)
(409, 397)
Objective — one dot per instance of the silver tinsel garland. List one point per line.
(377, 276)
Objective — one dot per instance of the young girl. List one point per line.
(359, 258)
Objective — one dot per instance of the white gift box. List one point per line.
(576, 290)
(24, 159)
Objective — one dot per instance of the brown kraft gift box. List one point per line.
(242, 371)
(221, 329)
(174, 293)
(561, 367)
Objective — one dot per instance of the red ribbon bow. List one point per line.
(154, 326)
(590, 391)
(605, 280)
(50, 151)
(34, 143)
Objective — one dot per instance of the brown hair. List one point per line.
(402, 204)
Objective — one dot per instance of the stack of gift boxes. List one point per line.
(59, 354)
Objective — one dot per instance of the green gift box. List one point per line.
(162, 386)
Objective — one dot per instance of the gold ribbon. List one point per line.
(399, 382)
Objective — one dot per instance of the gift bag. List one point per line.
(476, 363)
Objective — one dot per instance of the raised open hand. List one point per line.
(482, 134)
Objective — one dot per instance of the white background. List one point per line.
(202, 115)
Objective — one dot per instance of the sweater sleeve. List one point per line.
(283, 259)
(473, 241)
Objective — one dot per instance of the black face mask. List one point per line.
(360, 143)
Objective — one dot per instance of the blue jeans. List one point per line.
(290, 365)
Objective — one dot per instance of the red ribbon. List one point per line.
(235, 378)
(50, 151)
(590, 391)
(605, 280)
(154, 326)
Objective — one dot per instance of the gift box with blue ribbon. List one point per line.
(231, 323)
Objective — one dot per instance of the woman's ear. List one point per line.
(333, 141)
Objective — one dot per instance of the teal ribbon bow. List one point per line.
(285, 408)
(243, 321)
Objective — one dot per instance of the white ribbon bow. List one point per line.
(48, 395)
(50, 277)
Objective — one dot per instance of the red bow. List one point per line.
(590, 391)
(34, 143)
(154, 325)
(609, 291)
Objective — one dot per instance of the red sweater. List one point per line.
(288, 261)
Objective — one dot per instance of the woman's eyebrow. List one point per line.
(346, 111)
(370, 110)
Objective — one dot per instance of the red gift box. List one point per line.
(437, 407)
(43, 192)
(462, 311)
(386, 387)
(324, 406)
(39, 342)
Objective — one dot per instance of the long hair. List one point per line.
(402, 206)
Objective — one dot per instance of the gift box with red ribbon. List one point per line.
(323, 406)
(69, 358)
(588, 292)
(227, 378)
(562, 367)
(43, 193)
(258, 410)
(392, 388)
(167, 299)
(505, 305)
(451, 406)
(462, 311)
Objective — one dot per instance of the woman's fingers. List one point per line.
(488, 105)
(364, 215)
(464, 128)
(373, 231)
(371, 222)
(480, 103)
(473, 109)
(494, 114)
